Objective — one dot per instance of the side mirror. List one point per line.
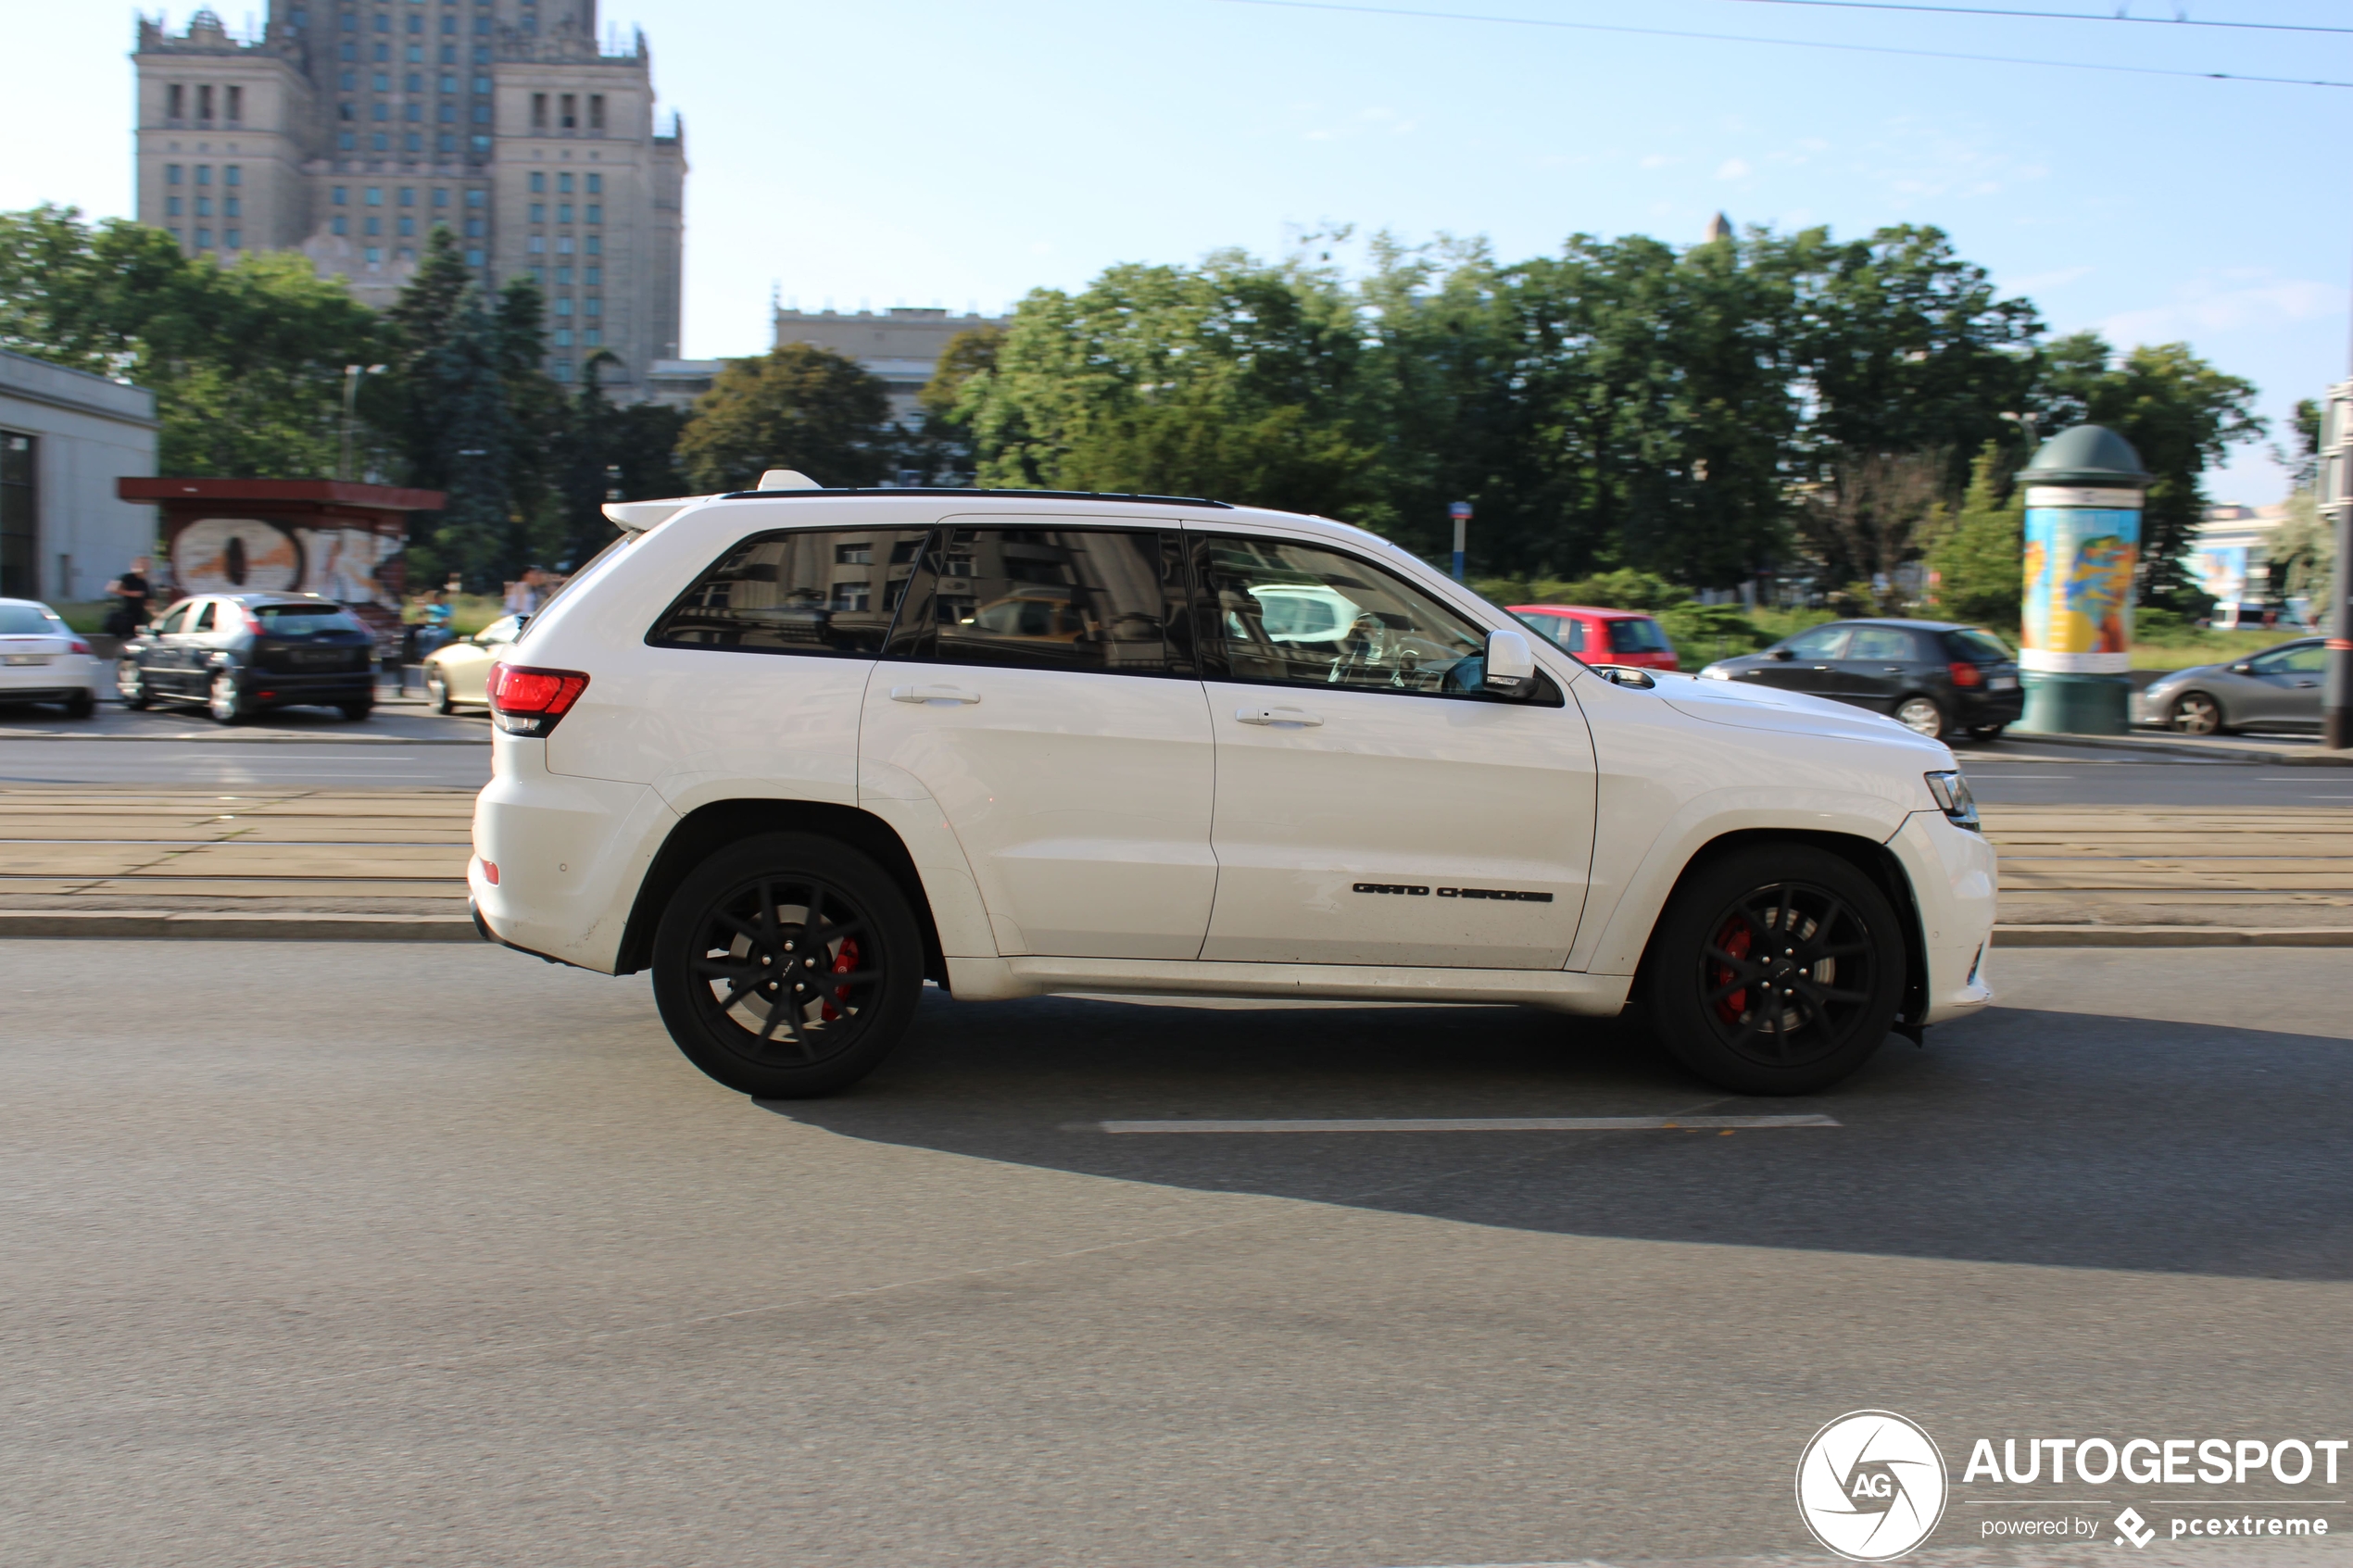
(1782, 655)
(2244, 667)
(1511, 663)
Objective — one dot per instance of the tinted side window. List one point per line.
(1287, 614)
(205, 616)
(175, 617)
(805, 591)
(1823, 642)
(1050, 598)
(1636, 636)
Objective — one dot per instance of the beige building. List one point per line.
(349, 129)
(902, 345)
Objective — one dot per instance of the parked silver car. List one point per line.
(2277, 689)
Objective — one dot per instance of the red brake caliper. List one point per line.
(846, 963)
(1735, 940)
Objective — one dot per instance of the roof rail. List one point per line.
(887, 491)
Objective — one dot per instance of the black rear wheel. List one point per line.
(787, 966)
(1775, 971)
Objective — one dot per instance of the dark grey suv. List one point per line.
(240, 653)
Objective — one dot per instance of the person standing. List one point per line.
(526, 597)
(131, 593)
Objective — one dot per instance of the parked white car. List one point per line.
(42, 660)
(766, 747)
(457, 674)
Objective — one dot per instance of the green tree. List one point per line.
(1230, 380)
(796, 407)
(1979, 558)
(2179, 412)
(245, 361)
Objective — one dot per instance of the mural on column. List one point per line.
(2079, 586)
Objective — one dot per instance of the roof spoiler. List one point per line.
(636, 517)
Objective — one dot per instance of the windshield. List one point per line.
(1636, 637)
(29, 621)
(1980, 648)
(301, 621)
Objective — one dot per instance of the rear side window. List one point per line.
(25, 621)
(205, 616)
(1885, 643)
(2304, 658)
(1050, 598)
(823, 591)
(1981, 648)
(302, 621)
(1564, 631)
(1636, 637)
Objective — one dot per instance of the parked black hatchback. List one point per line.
(1931, 676)
(240, 653)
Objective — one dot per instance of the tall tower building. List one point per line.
(350, 128)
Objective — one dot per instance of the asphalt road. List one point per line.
(368, 1256)
(394, 747)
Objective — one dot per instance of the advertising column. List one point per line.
(2083, 495)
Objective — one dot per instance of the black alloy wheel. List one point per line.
(2195, 713)
(787, 966)
(1775, 971)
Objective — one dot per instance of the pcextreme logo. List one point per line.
(1871, 1485)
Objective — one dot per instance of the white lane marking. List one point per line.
(1467, 1125)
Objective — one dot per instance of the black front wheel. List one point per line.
(1775, 971)
(787, 966)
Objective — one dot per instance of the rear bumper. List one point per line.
(1976, 710)
(62, 679)
(342, 686)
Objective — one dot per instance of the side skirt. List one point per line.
(1586, 996)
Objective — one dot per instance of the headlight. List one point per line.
(1953, 798)
(1715, 672)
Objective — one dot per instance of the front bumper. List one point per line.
(1954, 879)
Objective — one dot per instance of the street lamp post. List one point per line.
(351, 374)
(1461, 512)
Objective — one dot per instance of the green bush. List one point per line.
(1704, 633)
(1610, 590)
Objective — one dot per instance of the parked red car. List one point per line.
(1602, 636)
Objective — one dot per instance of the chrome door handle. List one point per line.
(932, 694)
(1299, 716)
(1892, 668)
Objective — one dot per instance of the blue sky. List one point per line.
(919, 151)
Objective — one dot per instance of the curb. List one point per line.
(2172, 937)
(149, 925)
(2152, 746)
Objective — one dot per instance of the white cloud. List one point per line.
(2211, 305)
(1732, 169)
(2040, 282)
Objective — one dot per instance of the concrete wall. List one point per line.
(89, 432)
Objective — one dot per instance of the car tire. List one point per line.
(81, 705)
(224, 701)
(437, 692)
(1987, 731)
(356, 712)
(1920, 714)
(738, 927)
(2196, 713)
(1827, 1000)
(133, 687)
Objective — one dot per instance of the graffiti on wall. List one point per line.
(222, 555)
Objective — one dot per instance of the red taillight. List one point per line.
(253, 621)
(490, 873)
(524, 702)
(78, 645)
(1965, 674)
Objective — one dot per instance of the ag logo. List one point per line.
(1871, 1486)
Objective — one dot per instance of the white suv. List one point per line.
(798, 751)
